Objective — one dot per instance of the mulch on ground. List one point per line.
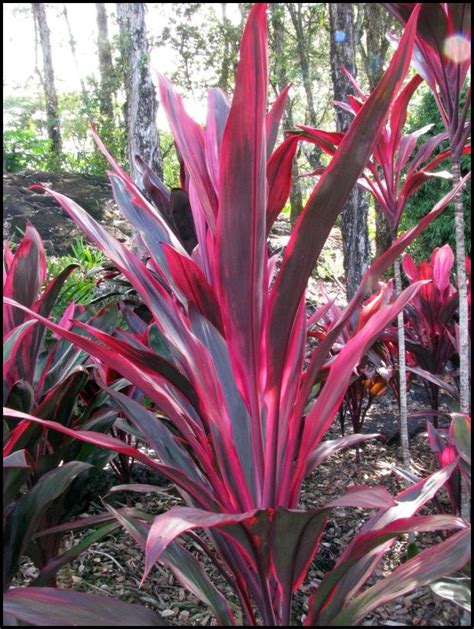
(114, 566)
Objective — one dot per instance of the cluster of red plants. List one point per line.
(222, 356)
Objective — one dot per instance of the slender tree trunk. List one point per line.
(383, 239)
(464, 368)
(402, 370)
(374, 24)
(355, 236)
(295, 11)
(72, 45)
(106, 68)
(296, 197)
(464, 365)
(226, 58)
(141, 104)
(52, 109)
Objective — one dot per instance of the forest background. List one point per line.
(87, 76)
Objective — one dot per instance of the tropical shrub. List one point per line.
(442, 230)
(443, 58)
(396, 171)
(223, 360)
(431, 317)
(377, 369)
(49, 378)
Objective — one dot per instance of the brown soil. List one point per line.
(58, 231)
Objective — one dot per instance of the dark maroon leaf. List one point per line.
(53, 607)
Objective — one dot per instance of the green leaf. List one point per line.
(454, 589)
(53, 607)
(23, 520)
(411, 550)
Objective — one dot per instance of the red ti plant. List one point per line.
(395, 172)
(223, 359)
(431, 316)
(375, 372)
(443, 58)
(48, 379)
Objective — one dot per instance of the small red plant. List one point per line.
(431, 316)
(396, 170)
(376, 370)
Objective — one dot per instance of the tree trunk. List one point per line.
(141, 104)
(296, 196)
(224, 79)
(106, 68)
(402, 370)
(355, 237)
(355, 240)
(278, 34)
(72, 45)
(52, 109)
(383, 237)
(303, 46)
(374, 22)
(464, 365)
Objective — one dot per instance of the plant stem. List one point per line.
(464, 367)
(462, 288)
(402, 369)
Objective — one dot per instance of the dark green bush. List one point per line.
(24, 150)
(442, 230)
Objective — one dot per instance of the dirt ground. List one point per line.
(58, 231)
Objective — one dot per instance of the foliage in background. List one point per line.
(206, 43)
(25, 143)
(81, 287)
(442, 230)
(170, 161)
(25, 147)
(24, 150)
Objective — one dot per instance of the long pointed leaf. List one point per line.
(53, 607)
(22, 521)
(327, 200)
(274, 116)
(240, 234)
(425, 567)
(199, 492)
